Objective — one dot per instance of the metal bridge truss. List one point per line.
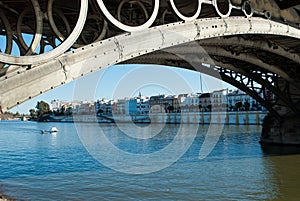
(238, 61)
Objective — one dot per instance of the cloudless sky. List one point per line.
(121, 81)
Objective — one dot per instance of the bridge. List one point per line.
(252, 44)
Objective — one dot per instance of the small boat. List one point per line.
(24, 118)
(52, 130)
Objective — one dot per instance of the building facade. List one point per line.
(240, 101)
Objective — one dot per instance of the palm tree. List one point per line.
(238, 106)
(247, 106)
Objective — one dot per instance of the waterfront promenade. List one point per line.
(230, 118)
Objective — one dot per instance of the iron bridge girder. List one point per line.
(254, 82)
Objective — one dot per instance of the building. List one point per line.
(143, 106)
(238, 100)
(157, 104)
(63, 107)
(163, 103)
(84, 108)
(138, 105)
(56, 105)
(205, 102)
(190, 102)
(103, 107)
(118, 106)
(219, 100)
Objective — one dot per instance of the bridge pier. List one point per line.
(284, 130)
(281, 132)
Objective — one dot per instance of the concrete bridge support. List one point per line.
(284, 131)
(281, 132)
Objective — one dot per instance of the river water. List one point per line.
(37, 166)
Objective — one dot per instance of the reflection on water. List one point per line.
(284, 163)
(58, 167)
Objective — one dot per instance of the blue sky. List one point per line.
(127, 81)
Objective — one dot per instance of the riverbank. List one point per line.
(13, 117)
(230, 118)
(9, 117)
(5, 198)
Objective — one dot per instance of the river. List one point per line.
(68, 165)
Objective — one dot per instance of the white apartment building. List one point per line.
(236, 101)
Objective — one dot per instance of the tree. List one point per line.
(254, 105)
(170, 108)
(209, 107)
(247, 106)
(63, 110)
(42, 108)
(32, 112)
(238, 106)
(17, 114)
(200, 107)
(69, 111)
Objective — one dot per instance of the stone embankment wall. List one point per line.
(233, 118)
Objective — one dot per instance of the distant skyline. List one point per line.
(122, 81)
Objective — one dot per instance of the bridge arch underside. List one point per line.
(258, 65)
